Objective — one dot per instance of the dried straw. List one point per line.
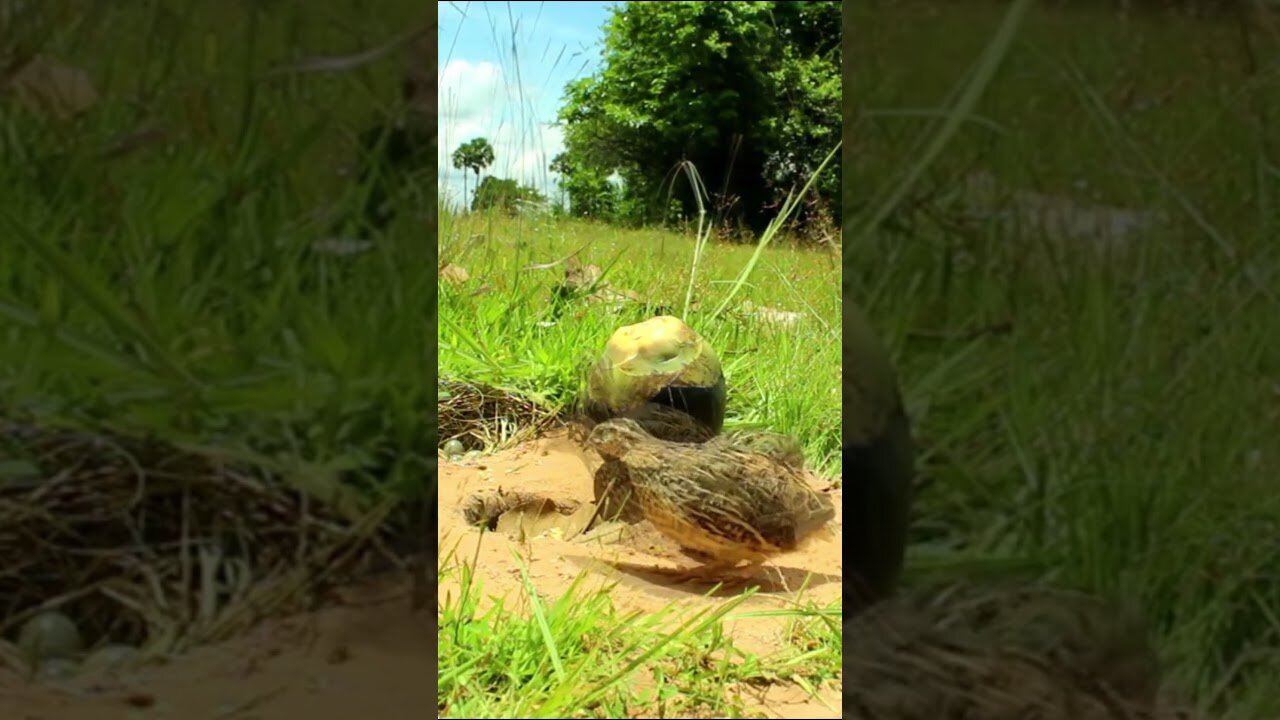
(141, 542)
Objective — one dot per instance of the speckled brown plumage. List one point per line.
(721, 499)
(613, 491)
(671, 424)
(782, 448)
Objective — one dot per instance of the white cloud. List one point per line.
(477, 100)
(469, 91)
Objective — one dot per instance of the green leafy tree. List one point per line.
(474, 155)
(749, 92)
(588, 188)
(495, 193)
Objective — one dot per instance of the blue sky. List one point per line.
(502, 71)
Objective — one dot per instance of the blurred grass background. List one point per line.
(159, 266)
(1100, 405)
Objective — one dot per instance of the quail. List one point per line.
(723, 500)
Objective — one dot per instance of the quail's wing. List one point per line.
(798, 512)
(781, 448)
(771, 496)
(709, 488)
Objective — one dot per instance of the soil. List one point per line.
(368, 656)
(641, 562)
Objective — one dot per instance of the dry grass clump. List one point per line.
(485, 417)
(143, 543)
(1001, 653)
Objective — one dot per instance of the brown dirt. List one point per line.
(555, 468)
(368, 657)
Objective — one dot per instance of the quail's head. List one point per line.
(612, 439)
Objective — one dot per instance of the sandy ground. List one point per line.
(368, 657)
(557, 469)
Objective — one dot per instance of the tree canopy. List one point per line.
(504, 194)
(474, 155)
(749, 92)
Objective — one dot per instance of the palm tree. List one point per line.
(474, 155)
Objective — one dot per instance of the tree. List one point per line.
(749, 92)
(588, 187)
(476, 155)
(504, 194)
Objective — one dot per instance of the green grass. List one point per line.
(502, 327)
(576, 656)
(1120, 434)
(172, 291)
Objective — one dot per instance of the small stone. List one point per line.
(49, 635)
(56, 670)
(111, 658)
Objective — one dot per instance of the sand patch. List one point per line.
(548, 485)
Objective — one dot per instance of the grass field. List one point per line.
(174, 289)
(575, 655)
(1102, 415)
(1108, 414)
(502, 328)
(160, 279)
